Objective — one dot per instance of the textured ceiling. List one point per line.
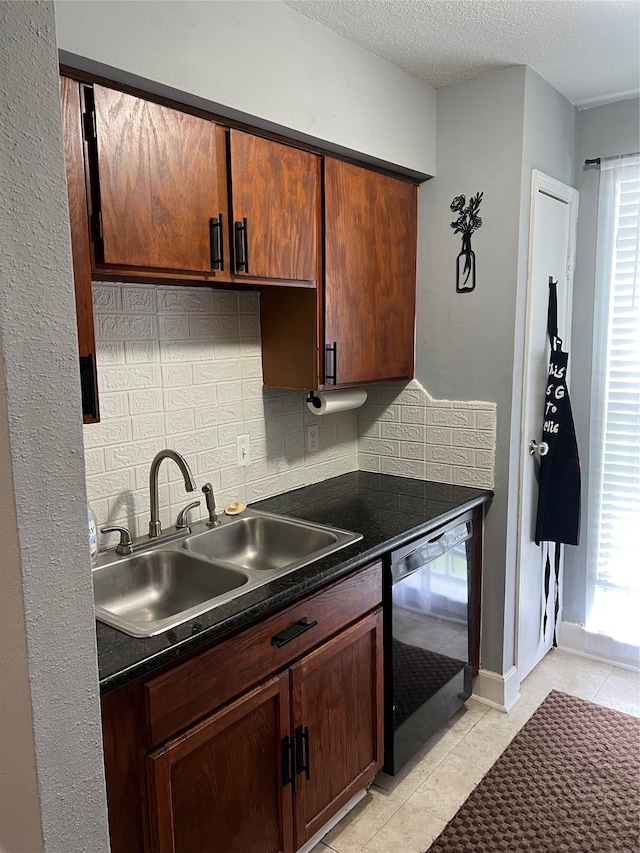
(589, 50)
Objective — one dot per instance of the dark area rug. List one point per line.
(569, 782)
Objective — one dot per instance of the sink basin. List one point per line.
(269, 543)
(150, 592)
(163, 586)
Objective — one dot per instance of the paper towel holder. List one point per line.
(316, 402)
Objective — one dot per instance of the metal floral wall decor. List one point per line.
(467, 222)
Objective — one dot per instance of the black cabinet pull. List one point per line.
(215, 238)
(89, 385)
(241, 246)
(302, 747)
(289, 762)
(292, 632)
(331, 378)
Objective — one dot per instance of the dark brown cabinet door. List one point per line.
(162, 179)
(219, 788)
(337, 721)
(370, 279)
(80, 248)
(276, 209)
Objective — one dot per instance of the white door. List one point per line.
(554, 209)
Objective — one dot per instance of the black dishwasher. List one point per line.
(427, 637)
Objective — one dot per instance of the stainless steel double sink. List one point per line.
(156, 589)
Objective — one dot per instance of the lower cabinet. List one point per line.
(266, 769)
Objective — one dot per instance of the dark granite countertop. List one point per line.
(388, 511)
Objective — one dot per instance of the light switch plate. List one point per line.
(243, 445)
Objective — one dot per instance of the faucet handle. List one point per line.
(125, 546)
(181, 523)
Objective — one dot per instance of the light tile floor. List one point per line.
(405, 813)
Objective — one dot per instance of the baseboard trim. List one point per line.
(576, 640)
(498, 691)
(311, 843)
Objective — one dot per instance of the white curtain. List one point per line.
(613, 518)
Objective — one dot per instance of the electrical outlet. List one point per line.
(243, 446)
(312, 439)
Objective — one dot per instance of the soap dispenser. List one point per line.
(93, 533)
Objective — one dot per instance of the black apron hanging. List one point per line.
(558, 516)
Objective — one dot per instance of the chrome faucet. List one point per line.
(155, 528)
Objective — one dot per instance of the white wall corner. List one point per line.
(498, 691)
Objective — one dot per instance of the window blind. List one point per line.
(619, 524)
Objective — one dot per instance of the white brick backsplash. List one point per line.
(413, 414)
(251, 368)
(249, 326)
(413, 450)
(228, 392)
(451, 417)
(439, 473)
(248, 303)
(217, 326)
(141, 352)
(195, 396)
(106, 297)
(448, 441)
(217, 371)
(173, 327)
(110, 353)
(251, 389)
(183, 300)
(482, 439)
(402, 467)
(125, 327)
(116, 431)
(484, 458)
(179, 421)
(224, 302)
(94, 461)
(439, 435)
(147, 426)
(185, 351)
(486, 420)
(145, 401)
(180, 367)
(114, 405)
(451, 455)
(139, 300)
(404, 432)
(177, 375)
(130, 377)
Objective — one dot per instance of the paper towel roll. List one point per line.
(341, 400)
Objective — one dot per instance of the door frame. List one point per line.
(545, 185)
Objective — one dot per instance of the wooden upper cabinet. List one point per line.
(162, 180)
(370, 273)
(275, 192)
(80, 246)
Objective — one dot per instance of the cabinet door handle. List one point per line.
(241, 245)
(215, 238)
(302, 747)
(289, 762)
(331, 378)
(292, 632)
(88, 385)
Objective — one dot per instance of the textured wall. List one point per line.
(403, 430)
(46, 559)
(180, 367)
(263, 61)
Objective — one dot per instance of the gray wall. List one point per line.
(491, 133)
(262, 60)
(51, 779)
(602, 132)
